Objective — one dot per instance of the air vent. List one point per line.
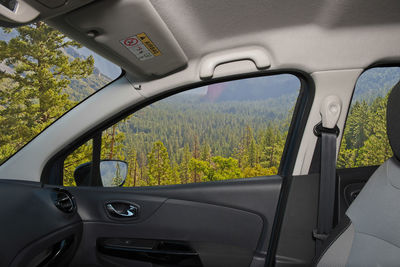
(64, 200)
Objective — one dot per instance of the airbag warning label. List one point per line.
(141, 46)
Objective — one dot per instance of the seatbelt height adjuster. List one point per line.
(318, 129)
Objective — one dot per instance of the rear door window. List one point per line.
(365, 141)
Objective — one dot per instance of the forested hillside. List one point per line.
(205, 134)
(208, 140)
(365, 142)
(375, 82)
(214, 136)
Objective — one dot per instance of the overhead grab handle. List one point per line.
(256, 54)
(17, 11)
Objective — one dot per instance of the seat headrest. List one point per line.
(393, 120)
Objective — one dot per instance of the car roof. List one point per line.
(308, 35)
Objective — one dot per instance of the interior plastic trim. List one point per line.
(256, 54)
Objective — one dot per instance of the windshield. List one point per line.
(43, 74)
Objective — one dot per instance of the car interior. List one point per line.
(318, 207)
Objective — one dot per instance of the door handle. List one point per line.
(122, 210)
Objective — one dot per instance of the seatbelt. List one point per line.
(327, 131)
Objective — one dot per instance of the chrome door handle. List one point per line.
(124, 210)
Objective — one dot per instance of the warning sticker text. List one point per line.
(141, 46)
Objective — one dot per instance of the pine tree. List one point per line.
(249, 154)
(184, 171)
(271, 146)
(358, 125)
(224, 168)
(200, 170)
(117, 179)
(376, 148)
(206, 152)
(196, 155)
(347, 156)
(159, 165)
(133, 167)
(35, 96)
(175, 176)
(143, 178)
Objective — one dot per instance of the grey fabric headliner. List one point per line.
(310, 35)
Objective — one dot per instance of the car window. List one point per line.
(43, 74)
(364, 141)
(227, 130)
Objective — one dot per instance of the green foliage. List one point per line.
(189, 140)
(159, 165)
(32, 91)
(365, 142)
(133, 171)
(198, 165)
(81, 155)
(185, 144)
(184, 170)
(224, 168)
(198, 170)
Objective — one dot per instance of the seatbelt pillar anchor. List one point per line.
(330, 109)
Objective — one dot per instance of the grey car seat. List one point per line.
(371, 237)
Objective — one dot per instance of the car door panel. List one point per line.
(54, 249)
(296, 246)
(224, 223)
(32, 225)
(196, 223)
(227, 223)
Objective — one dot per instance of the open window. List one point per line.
(227, 130)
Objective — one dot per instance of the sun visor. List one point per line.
(133, 35)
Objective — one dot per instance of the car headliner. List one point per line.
(310, 35)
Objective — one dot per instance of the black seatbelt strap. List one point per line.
(327, 183)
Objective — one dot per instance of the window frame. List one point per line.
(52, 172)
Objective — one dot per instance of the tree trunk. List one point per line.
(112, 142)
(158, 167)
(134, 174)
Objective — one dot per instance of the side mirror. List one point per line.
(112, 173)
